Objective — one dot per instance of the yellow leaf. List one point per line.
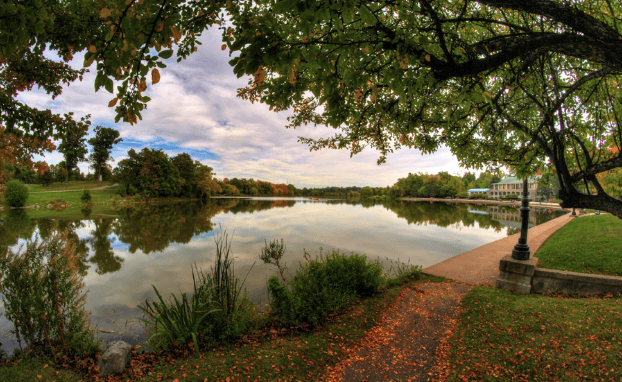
(358, 96)
(88, 62)
(404, 63)
(155, 76)
(260, 76)
(305, 39)
(112, 102)
(428, 58)
(92, 49)
(104, 13)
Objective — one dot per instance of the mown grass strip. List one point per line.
(70, 186)
(588, 244)
(504, 336)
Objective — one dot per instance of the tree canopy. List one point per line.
(519, 83)
(105, 138)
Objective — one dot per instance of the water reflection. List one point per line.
(124, 254)
(153, 228)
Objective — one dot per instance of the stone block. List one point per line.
(114, 358)
(522, 267)
(516, 275)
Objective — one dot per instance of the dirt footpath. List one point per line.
(409, 343)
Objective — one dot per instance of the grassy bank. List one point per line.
(504, 336)
(588, 244)
(269, 354)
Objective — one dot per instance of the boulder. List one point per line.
(114, 358)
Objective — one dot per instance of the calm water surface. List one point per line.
(125, 254)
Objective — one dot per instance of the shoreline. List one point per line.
(481, 202)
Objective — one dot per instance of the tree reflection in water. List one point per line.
(152, 228)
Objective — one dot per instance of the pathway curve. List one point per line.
(480, 266)
(410, 342)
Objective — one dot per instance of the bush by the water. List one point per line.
(16, 193)
(322, 286)
(217, 311)
(510, 197)
(478, 196)
(43, 296)
(86, 196)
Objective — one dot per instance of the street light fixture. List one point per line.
(521, 249)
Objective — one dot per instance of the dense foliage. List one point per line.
(521, 83)
(44, 298)
(16, 194)
(105, 138)
(322, 286)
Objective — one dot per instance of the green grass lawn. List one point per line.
(590, 244)
(70, 193)
(29, 370)
(505, 336)
(71, 186)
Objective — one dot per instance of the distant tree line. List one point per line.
(414, 185)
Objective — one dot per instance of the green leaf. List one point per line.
(109, 85)
(166, 54)
(366, 16)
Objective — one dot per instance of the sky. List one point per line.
(194, 109)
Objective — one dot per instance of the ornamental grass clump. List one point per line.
(216, 312)
(43, 296)
(179, 321)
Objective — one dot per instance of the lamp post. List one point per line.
(521, 249)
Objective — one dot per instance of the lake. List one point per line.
(124, 254)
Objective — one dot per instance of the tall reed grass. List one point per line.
(217, 311)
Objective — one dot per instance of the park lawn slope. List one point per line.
(505, 336)
(589, 244)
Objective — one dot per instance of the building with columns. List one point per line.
(513, 185)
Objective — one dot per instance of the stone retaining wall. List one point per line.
(551, 281)
(523, 276)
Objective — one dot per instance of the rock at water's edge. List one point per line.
(115, 358)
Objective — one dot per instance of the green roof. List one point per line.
(513, 179)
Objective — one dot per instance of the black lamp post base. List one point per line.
(521, 252)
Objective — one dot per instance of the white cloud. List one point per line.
(194, 108)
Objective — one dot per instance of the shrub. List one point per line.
(58, 204)
(402, 273)
(478, 196)
(322, 286)
(463, 195)
(16, 193)
(273, 254)
(86, 196)
(44, 298)
(510, 197)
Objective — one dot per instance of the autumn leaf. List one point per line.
(428, 58)
(112, 102)
(358, 96)
(92, 49)
(104, 13)
(155, 76)
(224, 47)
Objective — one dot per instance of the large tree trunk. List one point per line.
(601, 202)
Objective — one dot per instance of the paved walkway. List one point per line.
(481, 265)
